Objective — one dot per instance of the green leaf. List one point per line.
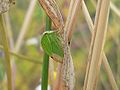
(46, 43)
(56, 44)
(51, 44)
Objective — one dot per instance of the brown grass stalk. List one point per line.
(104, 58)
(25, 25)
(97, 44)
(115, 9)
(91, 46)
(69, 24)
(58, 80)
(73, 19)
(112, 6)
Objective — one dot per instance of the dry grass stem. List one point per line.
(97, 44)
(59, 81)
(92, 41)
(66, 70)
(112, 6)
(104, 58)
(73, 14)
(115, 9)
(25, 25)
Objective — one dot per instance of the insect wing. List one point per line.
(46, 44)
(56, 45)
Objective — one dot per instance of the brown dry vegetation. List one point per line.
(92, 29)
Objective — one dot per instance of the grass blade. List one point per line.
(97, 44)
(104, 58)
(23, 57)
(7, 55)
(25, 26)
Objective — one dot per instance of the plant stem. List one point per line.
(23, 57)
(7, 55)
(104, 58)
(46, 60)
(97, 44)
(26, 23)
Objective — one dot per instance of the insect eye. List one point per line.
(69, 43)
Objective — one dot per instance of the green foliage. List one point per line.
(51, 44)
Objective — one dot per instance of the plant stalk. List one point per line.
(104, 58)
(45, 67)
(6, 51)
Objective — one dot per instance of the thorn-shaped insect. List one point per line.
(52, 45)
(57, 47)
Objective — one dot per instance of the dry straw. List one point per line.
(97, 45)
(25, 25)
(104, 58)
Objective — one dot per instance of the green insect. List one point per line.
(52, 45)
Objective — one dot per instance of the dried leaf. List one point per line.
(53, 12)
(68, 75)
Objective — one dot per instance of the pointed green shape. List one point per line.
(46, 43)
(56, 44)
(51, 44)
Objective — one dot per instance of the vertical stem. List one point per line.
(97, 45)
(104, 58)
(46, 60)
(26, 23)
(7, 55)
(45, 72)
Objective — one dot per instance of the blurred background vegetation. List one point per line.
(27, 74)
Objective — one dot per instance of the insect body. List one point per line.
(68, 69)
(51, 44)
(55, 47)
